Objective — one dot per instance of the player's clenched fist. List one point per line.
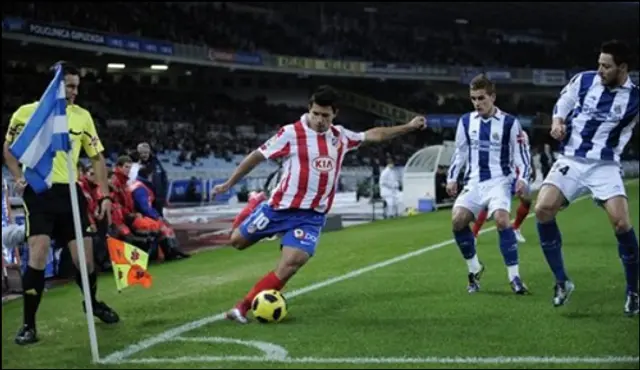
(418, 123)
(219, 189)
(558, 130)
(452, 188)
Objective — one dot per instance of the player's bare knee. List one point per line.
(238, 241)
(621, 224)
(548, 203)
(291, 261)
(502, 219)
(39, 251)
(618, 211)
(461, 218)
(545, 212)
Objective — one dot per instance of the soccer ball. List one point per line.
(269, 306)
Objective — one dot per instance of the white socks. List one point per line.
(474, 264)
(513, 271)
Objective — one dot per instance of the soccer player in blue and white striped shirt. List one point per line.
(487, 142)
(594, 119)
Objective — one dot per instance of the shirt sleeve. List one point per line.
(354, 139)
(520, 151)
(18, 119)
(568, 98)
(459, 158)
(279, 145)
(90, 141)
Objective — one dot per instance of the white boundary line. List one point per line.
(389, 360)
(121, 356)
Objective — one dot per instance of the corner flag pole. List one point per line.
(82, 260)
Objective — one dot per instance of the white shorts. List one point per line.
(576, 176)
(493, 194)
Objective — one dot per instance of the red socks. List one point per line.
(523, 211)
(269, 281)
(246, 211)
(482, 217)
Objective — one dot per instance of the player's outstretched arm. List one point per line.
(379, 134)
(278, 146)
(247, 165)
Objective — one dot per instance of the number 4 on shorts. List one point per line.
(564, 170)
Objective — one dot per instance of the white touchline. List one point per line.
(389, 360)
(119, 356)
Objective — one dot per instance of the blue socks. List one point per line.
(628, 251)
(508, 246)
(466, 242)
(551, 242)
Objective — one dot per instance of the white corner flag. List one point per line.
(43, 136)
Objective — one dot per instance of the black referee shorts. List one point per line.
(49, 213)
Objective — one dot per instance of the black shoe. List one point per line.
(172, 251)
(474, 280)
(26, 335)
(105, 313)
(632, 304)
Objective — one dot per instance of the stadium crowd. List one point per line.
(315, 29)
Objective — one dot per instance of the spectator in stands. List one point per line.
(87, 192)
(546, 159)
(119, 228)
(159, 179)
(99, 227)
(192, 195)
(143, 199)
(441, 184)
(128, 225)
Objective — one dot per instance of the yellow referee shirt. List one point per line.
(82, 131)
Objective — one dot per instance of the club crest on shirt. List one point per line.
(617, 109)
(495, 136)
(336, 142)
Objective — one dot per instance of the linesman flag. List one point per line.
(129, 264)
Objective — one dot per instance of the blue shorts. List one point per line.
(300, 228)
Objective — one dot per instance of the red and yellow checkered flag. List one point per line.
(129, 264)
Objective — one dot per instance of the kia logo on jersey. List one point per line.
(323, 164)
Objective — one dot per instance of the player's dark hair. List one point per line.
(482, 82)
(67, 68)
(325, 96)
(619, 50)
(122, 160)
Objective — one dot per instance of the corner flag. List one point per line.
(45, 134)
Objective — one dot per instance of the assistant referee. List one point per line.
(48, 214)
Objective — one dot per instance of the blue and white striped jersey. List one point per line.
(5, 204)
(599, 120)
(490, 148)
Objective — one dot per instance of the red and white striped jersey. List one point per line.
(312, 166)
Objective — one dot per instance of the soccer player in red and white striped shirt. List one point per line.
(313, 150)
